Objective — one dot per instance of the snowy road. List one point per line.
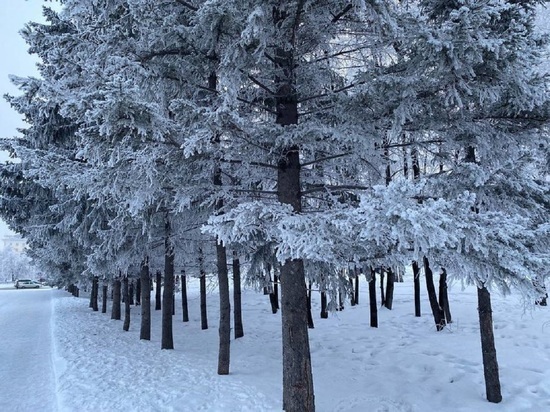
(27, 382)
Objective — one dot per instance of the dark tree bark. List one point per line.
(340, 300)
(167, 341)
(324, 312)
(91, 303)
(224, 330)
(145, 328)
(273, 295)
(138, 292)
(131, 292)
(158, 281)
(416, 279)
(115, 310)
(439, 317)
(444, 297)
(382, 294)
(126, 294)
(104, 299)
(389, 289)
(490, 363)
(184, 308)
(310, 323)
(372, 300)
(202, 282)
(356, 289)
(95, 293)
(352, 292)
(237, 305)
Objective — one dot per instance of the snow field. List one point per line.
(404, 365)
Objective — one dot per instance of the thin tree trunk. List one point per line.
(138, 292)
(382, 294)
(158, 281)
(416, 279)
(115, 311)
(224, 330)
(356, 289)
(372, 300)
(490, 363)
(389, 289)
(237, 306)
(202, 282)
(310, 323)
(126, 293)
(352, 292)
(324, 312)
(104, 299)
(437, 312)
(184, 308)
(444, 297)
(273, 295)
(167, 341)
(95, 292)
(145, 329)
(131, 292)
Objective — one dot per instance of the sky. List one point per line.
(15, 60)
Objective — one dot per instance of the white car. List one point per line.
(26, 284)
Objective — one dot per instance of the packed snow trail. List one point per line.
(27, 381)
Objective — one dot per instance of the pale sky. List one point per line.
(14, 59)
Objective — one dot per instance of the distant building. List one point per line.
(14, 242)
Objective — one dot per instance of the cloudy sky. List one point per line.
(14, 60)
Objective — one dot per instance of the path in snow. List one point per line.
(27, 381)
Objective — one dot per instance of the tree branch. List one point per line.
(331, 187)
(338, 16)
(325, 158)
(188, 5)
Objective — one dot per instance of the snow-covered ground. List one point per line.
(404, 365)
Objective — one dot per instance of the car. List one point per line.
(26, 284)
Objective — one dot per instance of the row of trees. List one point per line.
(309, 137)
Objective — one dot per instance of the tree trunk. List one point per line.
(437, 312)
(372, 300)
(324, 312)
(145, 329)
(352, 292)
(382, 294)
(95, 292)
(389, 289)
(356, 289)
(115, 311)
(138, 292)
(416, 279)
(126, 294)
(158, 281)
(310, 323)
(224, 330)
(444, 297)
(274, 295)
(167, 341)
(237, 306)
(204, 314)
(92, 290)
(104, 299)
(490, 364)
(184, 308)
(131, 292)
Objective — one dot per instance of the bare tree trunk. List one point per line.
(237, 310)
(158, 281)
(310, 323)
(126, 294)
(372, 300)
(324, 312)
(131, 292)
(202, 282)
(95, 292)
(184, 308)
(273, 295)
(356, 289)
(490, 363)
(104, 299)
(382, 294)
(389, 289)
(145, 329)
(443, 296)
(437, 312)
(416, 279)
(115, 310)
(224, 330)
(167, 341)
(138, 292)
